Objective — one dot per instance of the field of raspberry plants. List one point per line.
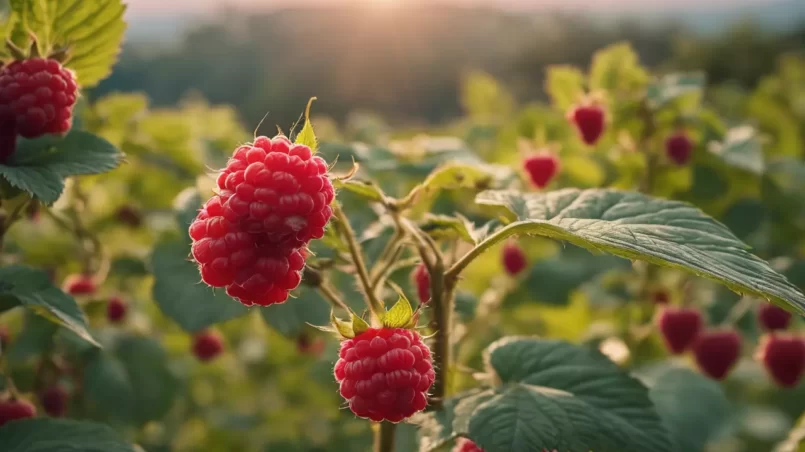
(618, 270)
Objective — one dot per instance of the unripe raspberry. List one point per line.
(589, 121)
(54, 400)
(385, 374)
(312, 346)
(679, 147)
(679, 327)
(207, 345)
(716, 352)
(116, 309)
(421, 278)
(79, 284)
(11, 410)
(38, 95)
(784, 358)
(773, 318)
(514, 260)
(541, 168)
(466, 445)
(278, 189)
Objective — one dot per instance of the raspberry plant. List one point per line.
(224, 291)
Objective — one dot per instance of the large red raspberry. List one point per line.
(514, 260)
(589, 120)
(784, 358)
(38, 95)
(207, 345)
(55, 400)
(717, 351)
(279, 189)
(541, 168)
(11, 410)
(773, 318)
(678, 147)
(421, 278)
(679, 328)
(385, 374)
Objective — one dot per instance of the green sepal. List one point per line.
(307, 136)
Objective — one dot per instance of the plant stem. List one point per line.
(331, 295)
(384, 436)
(500, 235)
(738, 311)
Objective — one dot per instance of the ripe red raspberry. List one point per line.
(207, 345)
(421, 278)
(773, 318)
(116, 309)
(385, 374)
(679, 328)
(466, 445)
(54, 400)
(717, 351)
(679, 147)
(79, 284)
(11, 410)
(589, 120)
(784, 358)
(38, 95)
(541, 168)
(279, 189)
(514, 260)
(312, 346)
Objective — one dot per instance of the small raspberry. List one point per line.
(38, 95)
(466, 445)
(589, 120)
(717, 351)
(279, 189)
(679, 328)
(306, 345)
(79, 284)
(514, 260)
(129, 216)
(679, 147)
(421, 278)
(773, 318)
(11, 410)
(784, 358)
(541, 168)
(54, 400)
(660, 296)
(207, 345)
(116, 309)
(385, 374)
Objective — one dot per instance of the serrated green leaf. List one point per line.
(671, 86)
(33, 290)
(307, 136)
(447, 227)
(741, 148)
(368, 190)
(93, 30)
(439, 427)
(635, 226)
(49, 435)
(565, 85)
(617, 68)
(291, 318)
(180, 294)
(400, 315)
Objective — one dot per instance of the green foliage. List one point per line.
(44, 435)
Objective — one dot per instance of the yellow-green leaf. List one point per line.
(307, 136)
(343, 328)
(565, 85)
(358, 324)
(400, 315)
(616, 68)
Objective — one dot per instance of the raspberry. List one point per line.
(514, 260)
(129, 216)
(679, 328)
(306, 345)
(773, 318)
(660, 296)
(541, 168)
(207, 345)
(38, 95)
(784, 358)
(466, 445)
(279, 189)
(116, 309)
(589, 120)
(717, 351)
(385, 374)
(79, 284)
(54, 401)
(421, 278)
(11, 410)
(678, 147)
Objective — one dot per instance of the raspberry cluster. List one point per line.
(385, 373)
(274, 197)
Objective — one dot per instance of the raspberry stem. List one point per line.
(384, 433)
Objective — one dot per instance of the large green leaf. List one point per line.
(34, 340)
(439, 427)
(51, 435)
(181, 295)
(39, 166)
(93, 30)
(635, 226)
(291, 318)
(32, 289)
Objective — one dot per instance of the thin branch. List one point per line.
(384, 433)
(331, 294)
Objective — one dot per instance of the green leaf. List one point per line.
(108, 386)
(32, 289)
(458, 227)
(741, 148)
(39, 166)
(50, 435)
(617, 68)
(93, 30)
(358, 324)
(455, 175)
(692, 407)
(291, 318)
(400, 315)
(368, 190)
(36, 338)
(185, 207)
(182, 296)
(671, 86)
(307, 136)
(635, 226)
(439, 427)
(565, 85)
